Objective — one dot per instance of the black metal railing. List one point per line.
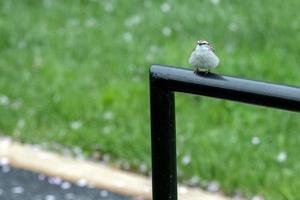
(165, 80)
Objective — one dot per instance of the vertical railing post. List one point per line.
(163, 142)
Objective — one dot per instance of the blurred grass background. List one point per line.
(75, 73)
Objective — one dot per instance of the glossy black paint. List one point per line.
(165, 80)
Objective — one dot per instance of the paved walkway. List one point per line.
(17, 184)
(102, 176)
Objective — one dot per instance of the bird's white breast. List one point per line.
(204, 58)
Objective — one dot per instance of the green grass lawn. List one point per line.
(76, 73)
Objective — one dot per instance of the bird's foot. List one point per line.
(199, 71)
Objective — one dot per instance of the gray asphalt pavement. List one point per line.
(18, 184)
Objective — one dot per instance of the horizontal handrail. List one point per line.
(226, 87)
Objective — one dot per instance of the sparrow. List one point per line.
(203, 58)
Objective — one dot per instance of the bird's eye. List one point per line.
(202, 43)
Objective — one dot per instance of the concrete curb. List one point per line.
(96, 174)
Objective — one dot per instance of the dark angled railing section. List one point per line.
(165, 80)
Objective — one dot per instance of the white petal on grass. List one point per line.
(109, 115)
(230, 48)
(37, 61)
(281, 157)
(165, 7)
(21, 123)
(108, 7)
(22, 44)
(213, 186)
(48, 3)
(106, 158)
(233, 27)
(15, 105)
(149, 57)
(62, 132)
(143, 168)
(194, 180)
(77, 151)
(132, 21)
(215, 2)
(154, 49)
(65, 151)
(255, 140)
(127, 37)
(186, 159)
(179, 172)
(75, 124)
(106, 130)
(91, 22)
(166, 31)
(125, 165)
(4, 100)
